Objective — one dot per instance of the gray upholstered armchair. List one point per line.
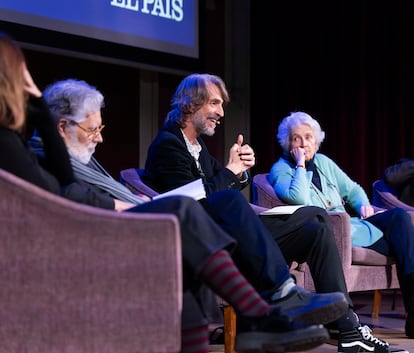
(364, 269)
(75, 278)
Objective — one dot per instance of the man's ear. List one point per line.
(61, 126)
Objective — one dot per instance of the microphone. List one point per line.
(215, 119)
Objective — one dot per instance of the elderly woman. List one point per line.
(303, 176)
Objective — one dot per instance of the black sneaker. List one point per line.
(273, 333)
(311, 308)
(360, 340)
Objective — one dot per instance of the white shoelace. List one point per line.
(367, 335)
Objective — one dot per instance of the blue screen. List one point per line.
(169, 26)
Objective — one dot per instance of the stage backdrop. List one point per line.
(348, 63)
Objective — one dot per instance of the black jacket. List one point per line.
(169, 164)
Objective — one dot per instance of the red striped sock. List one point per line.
(195, 340)
(223, 276)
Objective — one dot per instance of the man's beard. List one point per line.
(201, 126)
(79, 152)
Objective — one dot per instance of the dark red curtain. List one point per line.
(348, 63)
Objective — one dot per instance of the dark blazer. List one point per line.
(401, 177)
(169, 164)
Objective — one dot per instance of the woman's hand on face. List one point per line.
(299, 155)
(366, 211)
(29, 85)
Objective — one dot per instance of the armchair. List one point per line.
(364, 269)
(75, 278)
(385, 196)
(131, 178)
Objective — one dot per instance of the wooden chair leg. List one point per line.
(229, 329)
(376, 305)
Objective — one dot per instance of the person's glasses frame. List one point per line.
(90, 133)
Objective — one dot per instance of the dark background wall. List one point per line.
(349, 63)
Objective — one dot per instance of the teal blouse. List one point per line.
(294, 186)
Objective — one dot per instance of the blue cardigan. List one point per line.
(294, 186)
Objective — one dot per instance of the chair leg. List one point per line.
(229, 329)
(394, 298)
(376, 305)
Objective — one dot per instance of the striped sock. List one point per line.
(222, 275)
(195, 340)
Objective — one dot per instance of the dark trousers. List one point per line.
(307, 236)
(398, 242)
(232, 225)
(200, 238)
(257, 255)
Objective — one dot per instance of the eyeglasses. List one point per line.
(91, 133)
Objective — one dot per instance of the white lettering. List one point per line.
(170, 9)
(145, 6)
(177, 12)
(118, 3)
(158, 9)
(126, 4)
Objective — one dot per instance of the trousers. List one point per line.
(398, 242)
(256, 254)
(201, 237)
(307, 236)
(223, 220)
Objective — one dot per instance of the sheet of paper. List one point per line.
(288, 209)
(195, 189)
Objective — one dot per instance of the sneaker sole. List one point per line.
(279, 342)
(322, 315)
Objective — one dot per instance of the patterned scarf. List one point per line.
(93, 173)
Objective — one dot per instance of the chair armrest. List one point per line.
(342, 234)
(258, 209)
(131, 178)
(263, 193)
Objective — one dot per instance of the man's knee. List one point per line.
(321, 231)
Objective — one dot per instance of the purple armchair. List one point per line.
(75, 278)
(364, 269)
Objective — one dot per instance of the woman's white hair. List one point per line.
(293, 120)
